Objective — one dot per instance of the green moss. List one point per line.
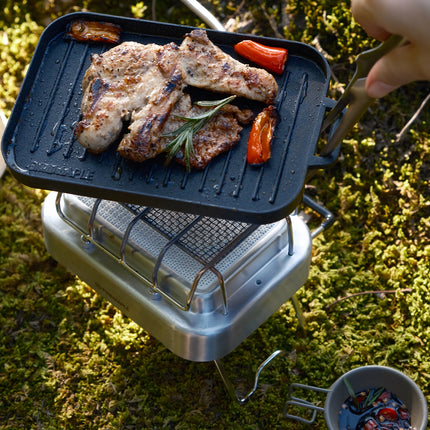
(69, 359)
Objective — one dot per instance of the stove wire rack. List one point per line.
(195, 235)
(207, 240)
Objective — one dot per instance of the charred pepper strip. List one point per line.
(261, 135)
(269, 57)
(94, 31)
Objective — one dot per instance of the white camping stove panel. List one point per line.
(199, 285)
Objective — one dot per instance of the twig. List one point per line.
(316, 42)
(271, 21)
(400, 135)
(361, 293)
(286, 18)
(154, 14)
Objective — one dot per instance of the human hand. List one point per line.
(404, 64)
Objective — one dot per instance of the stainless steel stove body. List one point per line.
(199, 285)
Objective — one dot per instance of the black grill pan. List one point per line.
(41, 150)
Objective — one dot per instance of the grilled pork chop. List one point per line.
(122, 83)
(144, 139)
(218, 135)
(204, 65)
(142, 84)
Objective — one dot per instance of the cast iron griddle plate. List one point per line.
(41, 150)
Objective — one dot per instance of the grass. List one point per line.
(70, 360)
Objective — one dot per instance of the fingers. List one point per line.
(403, 65)
(399, 67)
(382, 17)
(364, 13)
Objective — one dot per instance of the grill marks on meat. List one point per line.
(144, 84)
(215, 137)
(125, 83)
(204, 65)
(144, 139)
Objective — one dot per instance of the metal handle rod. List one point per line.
(290, 235)
(196, 281)
(204, 14)
(297, 401)
(302, 404)
(359, 103)
(355, 94)
(127, 233)
(364, 62)
(328, 220)
(229, 385)
(91, 227)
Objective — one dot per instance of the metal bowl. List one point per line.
(391, 379)
(361, 379)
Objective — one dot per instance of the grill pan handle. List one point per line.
(355, 94)
(360, 102)
(321, 161)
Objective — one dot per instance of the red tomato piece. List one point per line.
(404, 413)
(384, 396)
(388, 414)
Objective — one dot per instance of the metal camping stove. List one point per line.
(200, 285)
(213, 254)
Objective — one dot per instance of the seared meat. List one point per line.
(143, 83)
(218, 135)
(125, 82)
(204, 65)
(144, 139)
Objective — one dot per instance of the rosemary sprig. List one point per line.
(373, 396)
(184, 134)
(351, 392)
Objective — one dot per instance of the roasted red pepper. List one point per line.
(261, 135)
(94, 31)
(269, 57)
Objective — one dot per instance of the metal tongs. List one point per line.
(355, 94)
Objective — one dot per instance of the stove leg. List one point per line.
(299, 311)
(229, 385)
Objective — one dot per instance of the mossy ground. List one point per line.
(69, 359)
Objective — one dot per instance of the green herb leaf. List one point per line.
(184, 134)
(209, 103)
(351, 392)
(373, 396)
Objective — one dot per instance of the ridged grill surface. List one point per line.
(43, 152)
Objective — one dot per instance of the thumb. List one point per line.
(401, 66)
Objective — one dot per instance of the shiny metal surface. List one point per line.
(204, 14)
(259, 276)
